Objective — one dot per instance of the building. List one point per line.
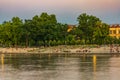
(70, 27)
(114, 30)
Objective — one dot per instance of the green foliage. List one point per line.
(91, 29)
(44, 30)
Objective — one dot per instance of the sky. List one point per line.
(66, 11)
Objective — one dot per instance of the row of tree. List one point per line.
(44, 30)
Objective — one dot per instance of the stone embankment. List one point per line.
(64, 49)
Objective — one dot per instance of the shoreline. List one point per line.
(74, 49)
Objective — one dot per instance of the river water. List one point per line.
(59, 67)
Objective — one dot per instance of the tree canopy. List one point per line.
(45, 30)
(92, 29)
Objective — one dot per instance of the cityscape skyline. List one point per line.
(66, 11)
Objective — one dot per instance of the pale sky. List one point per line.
(66, 11)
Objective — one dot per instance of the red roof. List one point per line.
(115, 26)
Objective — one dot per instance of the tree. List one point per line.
(5, 34)
(42, 28)
(90, 28)
(26, 32)
(11, 32)
(16, 26)
(101, 32)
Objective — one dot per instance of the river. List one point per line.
(59, 67)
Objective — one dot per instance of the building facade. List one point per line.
(70, 27)
(114, 31)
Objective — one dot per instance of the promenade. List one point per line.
(64, 49)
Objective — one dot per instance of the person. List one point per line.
(111, 48)
(117, 50)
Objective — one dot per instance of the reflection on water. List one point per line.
(59, 67)
(2, 66)
(2, 61)
(94, 67)
(94, 63)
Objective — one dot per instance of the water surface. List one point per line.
(59, 67)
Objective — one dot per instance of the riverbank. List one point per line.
(65, 49)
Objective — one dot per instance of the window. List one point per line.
(110, 32)
(119, 32)
(114, 31)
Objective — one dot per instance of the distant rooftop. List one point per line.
(115, 25)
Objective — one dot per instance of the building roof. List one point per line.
(115, 26)
(71, 26)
